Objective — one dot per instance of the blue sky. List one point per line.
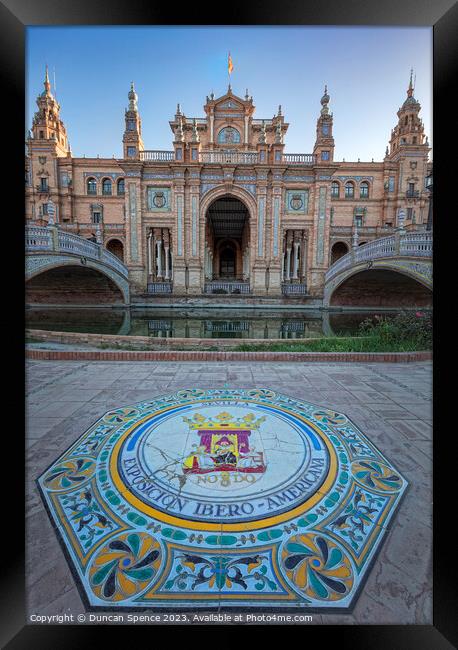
(366, 69)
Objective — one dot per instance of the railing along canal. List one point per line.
(39, 238)
(222, 287)
(416, 244)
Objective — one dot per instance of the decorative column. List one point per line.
(212, 119)
(149, 253)
(166, 256)
(159, 258)
(135, 233)
(178, 235)
(259, 248)
(296, 259)
(196, 271)
(288, 264)
(304, 258)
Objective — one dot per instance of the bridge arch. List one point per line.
(66, 280)
(390, 271)
(379, 285)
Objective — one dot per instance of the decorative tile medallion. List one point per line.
(222, 498)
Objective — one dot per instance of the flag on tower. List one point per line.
(230, 65)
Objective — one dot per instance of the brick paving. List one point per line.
(390, 402)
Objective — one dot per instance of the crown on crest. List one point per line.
(224, 420)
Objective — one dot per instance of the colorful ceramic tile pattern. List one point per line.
(235, 498)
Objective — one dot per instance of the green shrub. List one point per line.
(406, 326)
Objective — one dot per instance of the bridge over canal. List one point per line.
(391, 271)
(63, 268)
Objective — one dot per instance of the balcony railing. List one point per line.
(154, 155)
(412, 194)
(299, 158)
(230, 287)
(288, 289)
(229, 157)
(159, 287)
(417, 244)
(232, 157)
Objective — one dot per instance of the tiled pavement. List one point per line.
(390, 403)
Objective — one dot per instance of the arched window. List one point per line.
(121, 187)
(335, 189)
(349, 190)
(91, 186)
(228, 135)
(364, 190)
(106, 186)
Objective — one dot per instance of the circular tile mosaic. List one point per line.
(234, 497)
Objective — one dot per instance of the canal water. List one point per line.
(199, 323)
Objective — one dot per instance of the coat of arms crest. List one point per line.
(42, 160)
(159, 199)
(296, 202)
(224, 445)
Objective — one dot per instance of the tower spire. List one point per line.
(47, 85)
(410, 88)
(132, 138)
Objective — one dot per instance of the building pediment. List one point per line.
(229, 103)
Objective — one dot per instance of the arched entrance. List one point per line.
(116, 247)
(338, 250)
(227, 240)
(227, 260)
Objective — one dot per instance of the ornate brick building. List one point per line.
(226, 207)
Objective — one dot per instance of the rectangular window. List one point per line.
(391, 184)
(131, 125)
(411, 188)
(278, 155)
(194, 154)
(262, 157)
(42, 135)
(131, 151)
(44, 184)
(44, 208)
(179, 154)
(96, 217)
(325, 155)
(325, 129)
(409, 213)
(358, 221)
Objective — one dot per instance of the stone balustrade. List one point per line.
(229, 157)
(39, 238)
(233, 157)
(299, 158)
(159, 287)
(155, 155)
(230, 287)
(288, 289)
(412, 244)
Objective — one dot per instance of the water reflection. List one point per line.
(199, 323)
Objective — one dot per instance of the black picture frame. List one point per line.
(443, 16)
